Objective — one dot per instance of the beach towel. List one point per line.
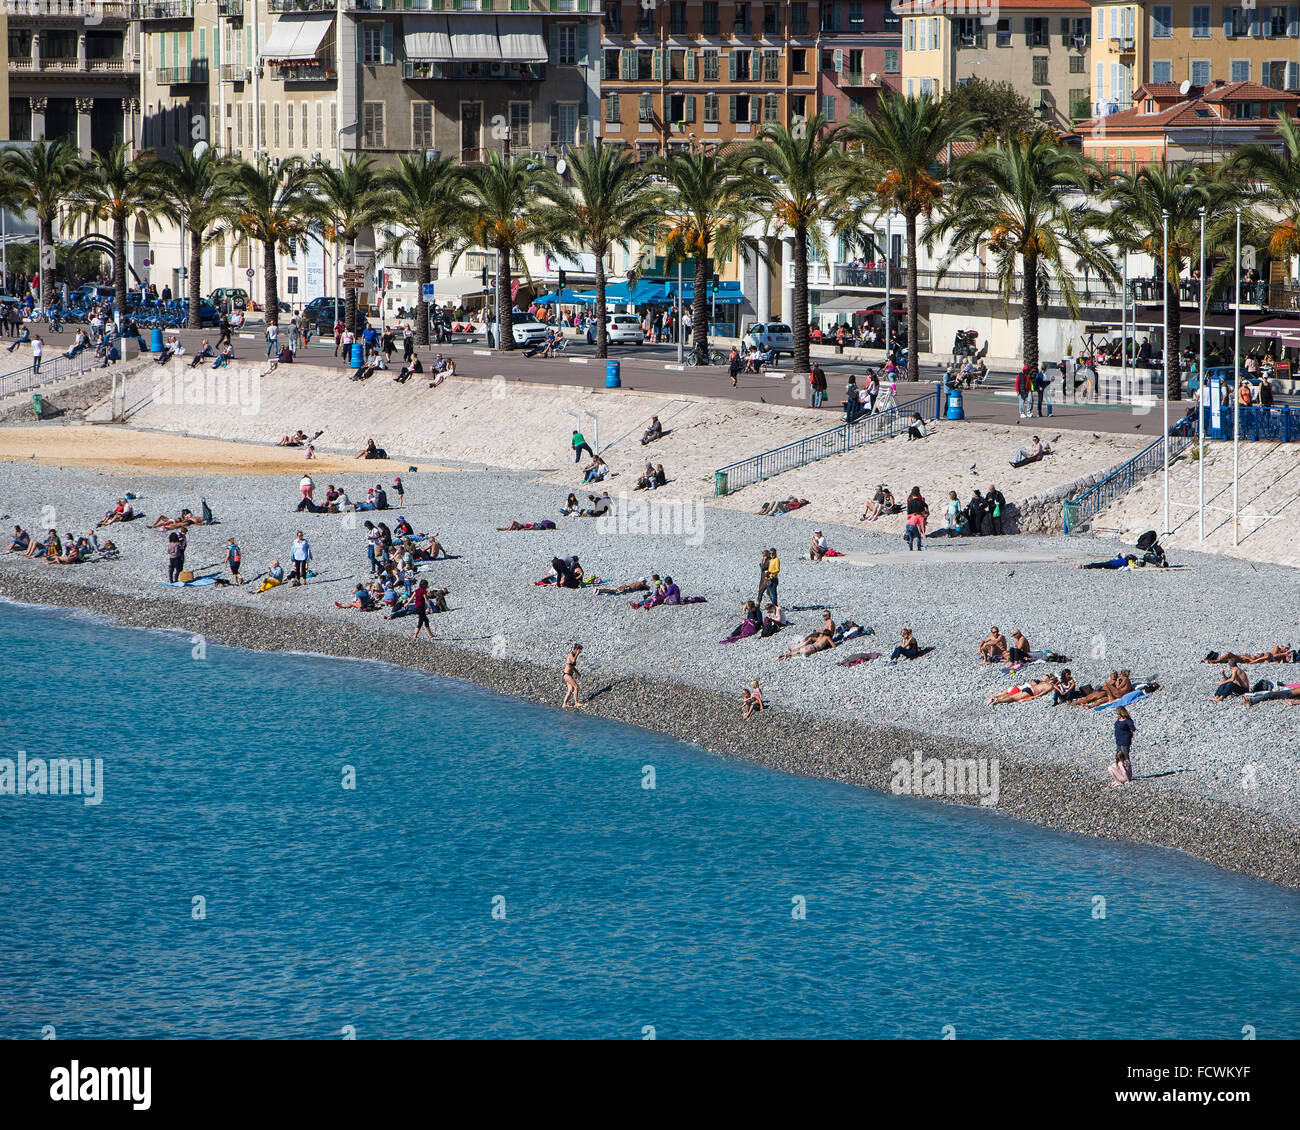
(585, 581)
(860, 657)
(1127, 700)
(196, 583)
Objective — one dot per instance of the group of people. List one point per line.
(866, 399)
(72, 550)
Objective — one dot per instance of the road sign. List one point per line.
(249, 272)
(428, 292)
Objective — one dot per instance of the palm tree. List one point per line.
(1022, 199)
(422, 197)
(1269, 192)
(896, 161)
(792, 171)
(274, 204)
(115, 189)
(197, 196)
(609, 202)
(44, 176)
(710, 204)
(1139, 202)
(347, 203)
(506, 208)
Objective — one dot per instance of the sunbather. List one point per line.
(122, 512)
(642, 585)
(1033, 689)
(1281, 653)
(544, 524)
(994, 647)
(41, 548)
(1019, 650)
(20, 541)
(1290, 693)
(187, 519)
(1235, 682)
(1119, 561)
(1116, 686)
(909, 648)
(748, 626)
(818, 641)
(783, 506)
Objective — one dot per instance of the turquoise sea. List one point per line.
(500, 870)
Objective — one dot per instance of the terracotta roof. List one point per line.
(1191, 109)
(973, 10)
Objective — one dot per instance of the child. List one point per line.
(399, 490)
(234, 558)
(953, 511)
(1122, 771)
(751, 699)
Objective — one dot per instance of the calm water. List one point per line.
(624, 907)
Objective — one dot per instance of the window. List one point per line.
(521, 125)
(676, 18)
(677, 65)
(969, 32)
(740, 108)
(645, 108)
(1162, 22)
(799, 106)
(1236, 22)
(320, 132)
(306, 141)
(740, 20)
(1077, 64)
(1273, 73)
(927, 86)
(614, 19)
(771, 20)
(645, 60)
(613, 110)
(645, 20)
(891, 60)
(261, 124)
(771, 107)
(828, 107)
(708, 21)
(372, 42)
(219, 251)
(372, 125)
(609, 60)
(710, 61)
(1040, 69)
(856, 21)
(1240, 70)
(798, 19)
(334, 123)
(567, 124)
(1277, 23)
(1200, 72)
(289, 123)
(710, 107)
(566, 52)
(1162, 70)
(828, 16)
(740, 66)
(275, 120)
(1036, 31)
(1200, 21)
(771, 66)
(422, 125)
(909, 36)
(799, 61)
(1004, 33)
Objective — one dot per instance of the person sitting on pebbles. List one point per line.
(751, 700)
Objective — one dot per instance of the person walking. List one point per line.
(338, 337)
(579, 444)
(420, 604)
(234, 558)
(817, 379)
(773, 574)
(1024, 389)
(301, 557)
(1041, 381)
(223, 324)
(272, 339)
(175, 558)
(571, 676)
(1124, 731)
(38, 351)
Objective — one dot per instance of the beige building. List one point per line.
(1040, 46)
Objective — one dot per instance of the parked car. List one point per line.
(90, 292)
(775, 336)
(321, 314)
(209, 315)
(625, 328)
(237, 296)
(527, 331)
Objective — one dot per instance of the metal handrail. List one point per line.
(53, 369)
(1080, 511)
(833, 441)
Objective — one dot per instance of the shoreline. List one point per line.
(1054, 796)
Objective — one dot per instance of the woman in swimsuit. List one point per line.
(1105, 693)
(571, 676)
(1032, 689)
(1279, 654)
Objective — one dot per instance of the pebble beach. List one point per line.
(1218, 781)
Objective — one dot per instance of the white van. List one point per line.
(775, 336)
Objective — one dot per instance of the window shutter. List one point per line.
(839, 62)
(657, 67)
(582, 45)
(555, 124)
(553, 52)
(1292, 75)
(386, 54)
(627, 63)
(690, 66)
(731, 99)
(1293, 22)
(1254, 23)
(555, 5)
(732, 57)
(689, 108)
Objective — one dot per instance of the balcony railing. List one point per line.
(26, 10)
(513, 72)
(21, 63)
(193, 72)
(235, 72)
(234, 9)
(111, 66)
(851, 277)
(302, 5)
(320, 70)
(164, 9)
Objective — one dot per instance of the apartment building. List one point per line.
(73, 71)
(1134, 44)
(1040, 46)
(859, 55)
(675, 74)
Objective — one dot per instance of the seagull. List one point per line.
(972, 466)
(1056, 439)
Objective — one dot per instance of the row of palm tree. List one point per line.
(1027, 204)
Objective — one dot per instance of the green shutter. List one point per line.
(731, 99)
(732, 68)
(555, 7)
(386, 52)
(839, 62)
(690, 66)
(554, 53)
(689, 113)
(657, 65)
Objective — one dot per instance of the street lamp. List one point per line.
(1164, 275)
(1200, 396)
(1236, 380)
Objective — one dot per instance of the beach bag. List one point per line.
(185, 576)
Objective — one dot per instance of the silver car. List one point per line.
(774, 336)
(625, 328)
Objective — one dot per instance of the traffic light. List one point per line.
(714, 280)
(561, 277)
(485, 276)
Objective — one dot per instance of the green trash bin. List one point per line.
(719, 482)
(38, 405)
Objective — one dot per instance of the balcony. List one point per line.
(63, 10)
(164, 9)
(871, 277)
(231, 9)
(72, 66)
(315, 70)
(235, 72)
(414, 70)
(191, 73)
(302, 5)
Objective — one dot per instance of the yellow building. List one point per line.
(1173, 43)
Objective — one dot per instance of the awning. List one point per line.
(1286, 329)
(521, 39)
(426, 39)
(846, 304)
(567, 297)
(296, 38)
(474, 39)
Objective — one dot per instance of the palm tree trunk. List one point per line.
(602, 336)
(352, 293)
(913, 362)
(196, 266)
(1029, 315)
(1173, 332)
(272, 294)
(800, 314)
(699, 311)
(119, 265)
(505, 311)
(47, 240)
(425, 274)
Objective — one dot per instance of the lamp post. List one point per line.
(1164, 277)
(1236, 380)
(1201, 386)
(681, 335)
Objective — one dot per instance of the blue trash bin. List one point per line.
(155, 340)
(357, 355)
(955, 410)
(613, 379)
